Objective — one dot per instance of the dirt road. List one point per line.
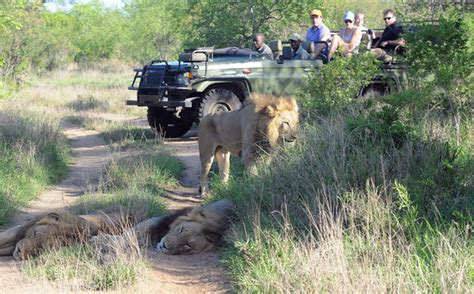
(200, 273)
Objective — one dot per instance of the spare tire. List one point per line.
(219, 100)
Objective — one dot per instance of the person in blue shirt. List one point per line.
(318, 31)
(298, 50)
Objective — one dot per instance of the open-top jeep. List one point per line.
(208, 80)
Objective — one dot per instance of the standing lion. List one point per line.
(263, 123)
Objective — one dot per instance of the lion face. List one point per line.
(187, 238)
(287, 123)
(36, 238)
(52, 230)
(282, 123)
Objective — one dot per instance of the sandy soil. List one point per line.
(200, 273)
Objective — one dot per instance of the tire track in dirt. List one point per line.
(199, 273)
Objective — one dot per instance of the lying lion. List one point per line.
(60, 228)
(187, 231)
(263, 123)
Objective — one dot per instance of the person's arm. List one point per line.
(396, 42)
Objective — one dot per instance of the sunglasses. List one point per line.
(385, 18)
(348, 21)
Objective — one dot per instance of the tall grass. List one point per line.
(352, 209)
(33, 154)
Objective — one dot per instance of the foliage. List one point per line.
(440, 59)
(97, 33)
(155, 29)
(336, 84)
(237, 21)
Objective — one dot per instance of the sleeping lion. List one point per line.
(59, 228)
(186, 231)
(262, 124)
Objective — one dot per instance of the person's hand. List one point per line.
(401, 42)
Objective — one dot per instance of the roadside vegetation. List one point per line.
(377, 196)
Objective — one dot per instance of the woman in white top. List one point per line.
(349, 37)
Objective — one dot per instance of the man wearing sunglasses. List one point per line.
(391, 37)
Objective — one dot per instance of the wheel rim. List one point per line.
(220, 107)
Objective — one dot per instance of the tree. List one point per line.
(223, 23)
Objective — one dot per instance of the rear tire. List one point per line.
(167, 122)
(219, 100)
(375, 90)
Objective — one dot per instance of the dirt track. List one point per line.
(168, 274)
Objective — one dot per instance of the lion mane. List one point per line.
(264, 123)
(60, 228)
(200, 230)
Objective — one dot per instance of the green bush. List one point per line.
(440, 60)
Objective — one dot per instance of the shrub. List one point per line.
(440, 59)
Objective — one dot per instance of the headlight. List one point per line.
(183, 79)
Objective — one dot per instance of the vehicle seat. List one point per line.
(276, 47)
(192, 57)
(309, 47)
(366, 41)
(287, 53)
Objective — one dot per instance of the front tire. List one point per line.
(219, 100)
(167, 122)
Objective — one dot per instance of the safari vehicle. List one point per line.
(208, 80)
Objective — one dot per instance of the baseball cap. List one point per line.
(316, 12)
(349, 15)
(295, 37)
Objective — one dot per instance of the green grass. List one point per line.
(33, 154)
